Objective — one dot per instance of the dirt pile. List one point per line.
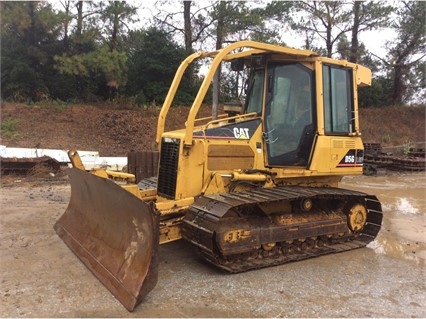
(114, 131)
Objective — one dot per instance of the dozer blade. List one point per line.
(115, 234)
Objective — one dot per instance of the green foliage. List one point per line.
(29, 32)
(236, 20)
(377, 95)
(386, 138)
(408, 146)
(327, 24)
(152, 63)
(320, 18)
(116, 15)
(111, 64)
(140, 98)
(18, 80)
(87, 51)
(8, 127)
(406, 59)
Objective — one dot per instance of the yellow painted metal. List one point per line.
(329, 150)
(213, 183)
(363, 75)
(235, 235)
(357, 217)
(258, 177)
(77, 163)
(223, 157)
(268, 246)
(194, 157)
(208, 165)
(220, 56)
(75, 159)
(220, 121)
(120, 175)
(319, 98)
(170, 230)
(170, 207)
(132, 188)
(171, 93)
(148, 194)
(194, 154)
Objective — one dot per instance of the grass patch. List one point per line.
(8, 127)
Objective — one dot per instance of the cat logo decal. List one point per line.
(241, 133)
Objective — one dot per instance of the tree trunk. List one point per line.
(329, 27)
(187, 25)
(219, 42)
(115, 26)
(188, 35)
(353, 57)
(79, 29)
(31, 31)
(398, 88)
(66, 25)
(32, 43)
(79, 46)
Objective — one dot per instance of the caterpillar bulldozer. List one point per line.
(254, 187)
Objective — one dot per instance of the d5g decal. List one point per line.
(353, 157)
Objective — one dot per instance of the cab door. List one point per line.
(289, 115)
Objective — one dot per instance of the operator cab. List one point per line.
(283, 94)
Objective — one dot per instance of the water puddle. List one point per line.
(403, 198)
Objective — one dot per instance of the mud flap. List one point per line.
(114, 233)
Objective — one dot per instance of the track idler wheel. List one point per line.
(357, 217)
(306, 204)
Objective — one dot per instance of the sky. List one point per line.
(374, 40)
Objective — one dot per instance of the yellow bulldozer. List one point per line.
(256, 186)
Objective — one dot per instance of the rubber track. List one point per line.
(224, 202)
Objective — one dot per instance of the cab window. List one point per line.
(338, 100)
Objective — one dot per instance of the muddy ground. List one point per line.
(40, 277)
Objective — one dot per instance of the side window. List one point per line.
(255, 95)
(338, 100)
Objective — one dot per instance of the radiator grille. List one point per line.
(167, 173)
